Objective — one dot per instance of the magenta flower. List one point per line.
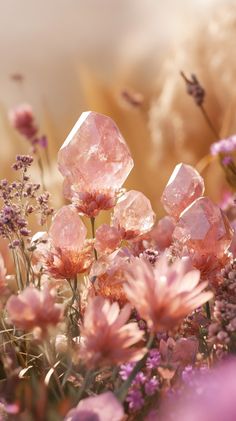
(208, 396)
(104, 407)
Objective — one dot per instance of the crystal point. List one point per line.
(204, 227)
(95, 155)
(184, 186)
(133, 213)
(67, 230)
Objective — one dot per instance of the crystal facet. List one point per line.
(67, 230)
(95, 156)
(184, 186)
(133, 213)
(204, 227)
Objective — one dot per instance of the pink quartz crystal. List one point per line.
(161, 233)
(107, 238)
(184, 186)
(204, 227)
(67, 230)
(133, 213)
(95, 156)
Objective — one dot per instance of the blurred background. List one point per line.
(122, 58)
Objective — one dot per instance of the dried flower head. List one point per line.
(22, 119)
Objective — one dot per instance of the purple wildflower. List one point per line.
(151, 386)
(126, 370)
(153, 359)
(135, 399)
(224, 146)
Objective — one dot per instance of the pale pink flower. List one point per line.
(164, 294)
(94, 161)
(67, 251)
(104, 407)
(106, 338)
(34, 309)
(22, 119)
(90, 203)
(107, 238)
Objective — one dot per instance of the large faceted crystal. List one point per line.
(184, 186)
(95, 156)
(133, 213)
(204, 227)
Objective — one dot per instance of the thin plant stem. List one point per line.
(46, 352)
(208, 310)
(18, 272)
(92, 219)
(85, 384)
(209, 122)
(40, 165)
(121, 393)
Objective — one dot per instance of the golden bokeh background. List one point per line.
(67, 56)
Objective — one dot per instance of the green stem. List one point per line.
(209, 122)
(208, 310)
(92, 219)
(85, 384)
(121, 393)
(19, 279)
(55, 375)
(40, 165)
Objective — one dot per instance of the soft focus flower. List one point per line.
(34, 309)
(135, 399)
(164, 294)
(104, 407)
(224, 146)
(106, 338)
(94, 161)
(209, 396)
(67, 252)
(22, 119)
(183, 351)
